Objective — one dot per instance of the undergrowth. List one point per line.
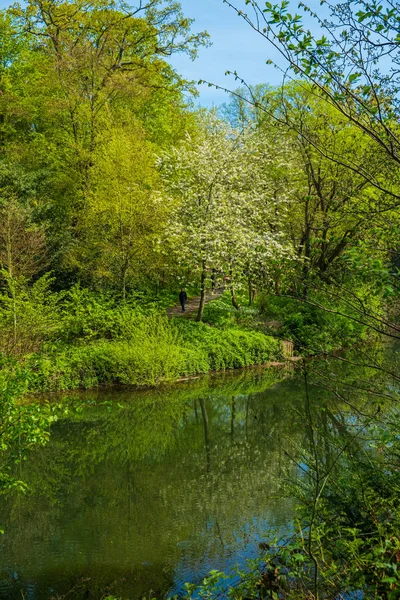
(79, 339)
(90, 339)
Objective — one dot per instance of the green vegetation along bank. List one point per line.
(79, 339)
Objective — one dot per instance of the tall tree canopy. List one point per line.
(73, 76)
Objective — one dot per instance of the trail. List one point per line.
(192, 304)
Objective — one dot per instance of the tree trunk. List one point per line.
(213, 279)
(123, 285)
(124, 276)
(15, 328)
(250, 291)
(234, 300)
(233, 294)
(11, 282)
(307, 251)
(202, 292)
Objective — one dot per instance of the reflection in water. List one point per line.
(206, 433)
(145, 491)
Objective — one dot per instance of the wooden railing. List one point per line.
(287, 348)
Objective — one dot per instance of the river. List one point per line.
(138, 492)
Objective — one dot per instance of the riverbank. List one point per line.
(84, 340)
(157, 351)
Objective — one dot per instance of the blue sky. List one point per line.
(234, 47)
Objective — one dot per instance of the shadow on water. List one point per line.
(141, 491)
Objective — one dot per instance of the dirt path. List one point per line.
(192, 305)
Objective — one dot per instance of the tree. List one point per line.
(84, 66)
(22, 242)
(100, 54)
(348, 67)
(329, 208)
(223, 199)
(124, 220)
(333, 205)
(10, 49)
(22, 254)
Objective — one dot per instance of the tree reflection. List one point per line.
(123, 492)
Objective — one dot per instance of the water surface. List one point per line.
(139, 492)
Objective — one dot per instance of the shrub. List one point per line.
(153, 350)
(312, 329)
(90, 316)
(220, 312)
(28, 316)
(24, 426)
(150, 353)
(230, 348)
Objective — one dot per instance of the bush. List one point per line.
(89, 316)
(220, 312)
(149, 353)
(24, 426)
(312, 329)
(28, 316)
(95, 316)
(153, 350)
(230, 348)
(80, 340)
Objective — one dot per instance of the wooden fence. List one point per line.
(287, 348)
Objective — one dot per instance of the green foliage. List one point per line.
(81, 339)
(343, 77)
(220, 312)
(103, 342)
(229, 348)
(23, 426)
(155, 354)
(29, 315)
(312, 329)
(89, 316)
(149, 355)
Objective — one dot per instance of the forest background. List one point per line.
(115, 191)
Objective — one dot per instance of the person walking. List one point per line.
(182, 298)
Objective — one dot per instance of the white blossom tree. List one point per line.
(226, 203)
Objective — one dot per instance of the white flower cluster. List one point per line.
(228, 202)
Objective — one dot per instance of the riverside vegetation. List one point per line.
(115, 191)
